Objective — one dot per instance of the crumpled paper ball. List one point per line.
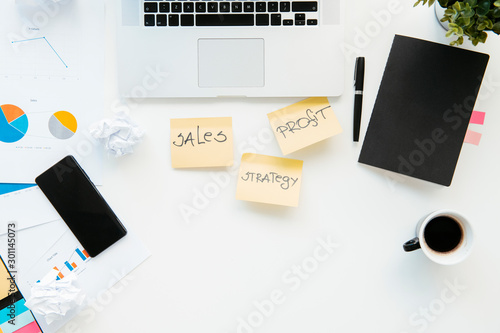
(118, 135)
(53, 298)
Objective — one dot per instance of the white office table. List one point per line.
(335, 263)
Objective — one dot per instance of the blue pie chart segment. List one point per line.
(13, 123)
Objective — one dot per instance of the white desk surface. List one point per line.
(228, 263)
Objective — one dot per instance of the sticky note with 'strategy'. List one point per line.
(269, 179)
(201, 142)
(304, 123)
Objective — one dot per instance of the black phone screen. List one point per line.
(81, 206)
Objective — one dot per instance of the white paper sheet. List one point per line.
(34, 209)
(41, 248)
(52, 72)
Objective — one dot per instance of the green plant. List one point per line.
(471, 18)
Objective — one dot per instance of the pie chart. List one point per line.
(62, 125)
(13, 123)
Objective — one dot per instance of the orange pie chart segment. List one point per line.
(11, 112)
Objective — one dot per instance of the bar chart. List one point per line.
(66, 257)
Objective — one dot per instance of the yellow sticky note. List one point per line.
(304, 123)
(201, 142)
(269, 179)
(7, 285)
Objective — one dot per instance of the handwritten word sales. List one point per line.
(199, 139)
(304, 122)
(271, 177)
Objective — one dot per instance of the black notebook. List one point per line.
(423, 108)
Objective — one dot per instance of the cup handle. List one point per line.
(412, 245)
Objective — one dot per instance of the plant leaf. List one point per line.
(458, 41)
(457, 7)
(483, 8)
(463, 21)
(468, 12)
(483, 37)
(496, 28)
(471, 3)
(431, 2)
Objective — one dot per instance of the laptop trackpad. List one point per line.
(231, 62)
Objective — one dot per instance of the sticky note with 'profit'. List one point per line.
(304, 123)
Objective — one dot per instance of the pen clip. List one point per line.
(355, 71)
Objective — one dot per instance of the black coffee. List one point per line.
(443, 234)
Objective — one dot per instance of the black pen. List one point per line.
(359, 77)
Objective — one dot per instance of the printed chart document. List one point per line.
(51, 85)
(42, 248)
(24, 212)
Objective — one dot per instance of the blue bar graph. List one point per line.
(69, 266)
(80, 253)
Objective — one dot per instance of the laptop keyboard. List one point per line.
(216, 13)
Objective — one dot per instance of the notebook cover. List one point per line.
(423, 108)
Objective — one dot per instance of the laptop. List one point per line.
(215, 48)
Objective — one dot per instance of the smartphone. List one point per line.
(81, 206)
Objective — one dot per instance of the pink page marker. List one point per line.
(472, 137)
(477, 117)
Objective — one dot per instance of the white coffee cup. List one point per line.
(445, 236)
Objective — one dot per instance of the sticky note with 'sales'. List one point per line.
(269, 179)
(304, 123)
(201, 142)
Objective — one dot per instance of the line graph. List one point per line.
(47, 55)
(48, 43)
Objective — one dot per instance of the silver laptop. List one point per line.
(212, 48)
